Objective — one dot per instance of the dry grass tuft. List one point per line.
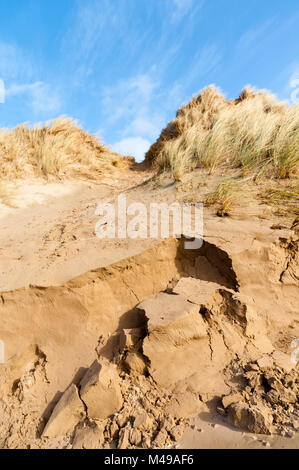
(226, 196)
(284, 198)
(59, 149)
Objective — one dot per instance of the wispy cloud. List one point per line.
(100, 32)
(202, 67)
(180, 8)
(132, 146)
(17, 89)
(15, 66)
(249, 38)
(42, 98)
(131, 101)
(14, 62)
(207, 59)
(146, 125)
(45, 99)
(90, 21)
(128, 96)
(141, 104)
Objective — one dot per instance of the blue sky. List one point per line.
(123, 67)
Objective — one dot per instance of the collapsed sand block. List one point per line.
(174, 328)
(124, 437)
(255, 419)
(269, 401)
(265, 362)
(100, 390)
(66, 414)
(283, 361)
(88, 438)
(184, 405)
(196, 291)
(228, 400)
(171, 321)
(161, 439)
(135, 437)
(143, 421)
(239, 320)
(177, 432)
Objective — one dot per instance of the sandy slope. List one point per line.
(87, 293)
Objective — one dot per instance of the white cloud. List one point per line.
(41, 96)
(181, 8)
(16, 89)
(132, 146)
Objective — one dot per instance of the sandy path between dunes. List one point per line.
(49, 237)
(51, 243)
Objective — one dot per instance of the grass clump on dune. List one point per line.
(254, 134)
(58, 149)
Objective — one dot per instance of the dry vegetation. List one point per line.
(254, 135)
(59, 149)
